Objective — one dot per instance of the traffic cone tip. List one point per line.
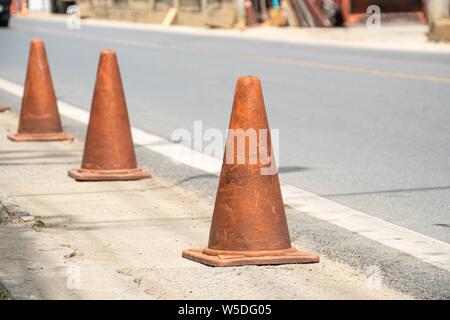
(37, 41)
(107, 52)
(249, 79)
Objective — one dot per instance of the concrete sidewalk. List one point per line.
(124, 240)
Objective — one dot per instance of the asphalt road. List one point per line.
(365, 128)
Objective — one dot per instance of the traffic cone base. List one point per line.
(108, 175)
(219, 258)
(3, 109)
(56, 136)
(249, 225)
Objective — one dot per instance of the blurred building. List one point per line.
(392, 10)
(220, 13)
(236, 13)
(226, 13)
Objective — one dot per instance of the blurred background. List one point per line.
(240, 13)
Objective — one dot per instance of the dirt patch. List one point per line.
(4, 294)
(12, 212)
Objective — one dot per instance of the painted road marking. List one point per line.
(422, 247)
(253, 57)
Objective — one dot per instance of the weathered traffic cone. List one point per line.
(249, 223)
(39, 116)
(108, 150)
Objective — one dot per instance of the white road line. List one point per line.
(422, 247)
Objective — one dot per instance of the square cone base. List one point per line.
(296, 256)
(56, 136)
(108, 175)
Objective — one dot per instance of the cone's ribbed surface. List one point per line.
(249, 212)
(39, 116)
(249, 223)
(108, 151)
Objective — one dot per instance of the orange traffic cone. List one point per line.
(39, 116)
(108, 150)
(249, 224)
